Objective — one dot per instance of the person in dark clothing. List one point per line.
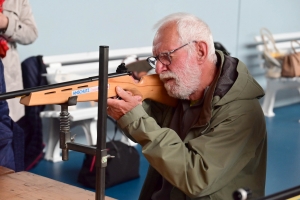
(11, 135)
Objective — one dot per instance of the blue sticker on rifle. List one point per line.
(84, 91)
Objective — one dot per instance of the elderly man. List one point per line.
(214, 141)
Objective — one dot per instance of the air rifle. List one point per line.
(149, 87)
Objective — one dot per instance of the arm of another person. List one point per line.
(21, 27)
(205, 164)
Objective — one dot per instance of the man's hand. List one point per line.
(116, 108)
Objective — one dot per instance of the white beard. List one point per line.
(184, 81)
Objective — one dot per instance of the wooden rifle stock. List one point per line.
(149, 87)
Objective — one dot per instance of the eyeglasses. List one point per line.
(164, 58)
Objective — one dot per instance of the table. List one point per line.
(28, 186)
(4, 171)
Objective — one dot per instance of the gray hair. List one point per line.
(190, 28)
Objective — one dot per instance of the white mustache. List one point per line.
(167, 75)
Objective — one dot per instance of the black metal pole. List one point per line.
(286, 194)
(101, 153)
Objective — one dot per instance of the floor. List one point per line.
(67, 172)
(283, 170)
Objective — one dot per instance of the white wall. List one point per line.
(70, 26)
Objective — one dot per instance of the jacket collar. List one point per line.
(206, 108)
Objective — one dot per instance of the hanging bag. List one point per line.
(272, 56)
(291, 62)
(123, 165)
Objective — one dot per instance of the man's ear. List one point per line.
(202, 51)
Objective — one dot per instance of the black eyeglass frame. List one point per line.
(153, 59)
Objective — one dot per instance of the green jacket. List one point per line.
(224, 151)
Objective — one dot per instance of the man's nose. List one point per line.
(159, 68)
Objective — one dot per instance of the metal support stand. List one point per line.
(64, 127)
(67, 143)
(101, 154)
